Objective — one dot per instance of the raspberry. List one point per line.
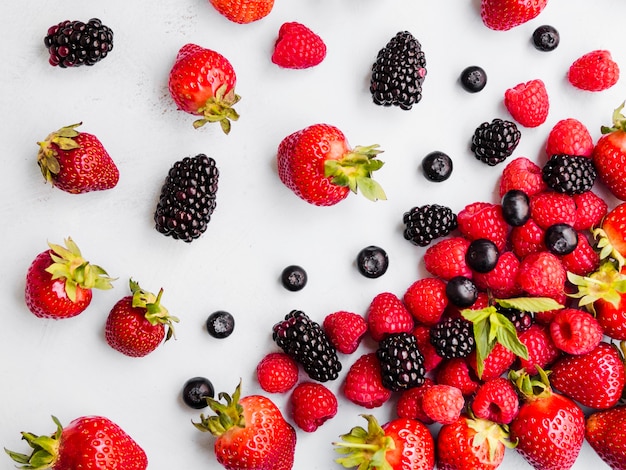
(446, 258)
(496, 400)
(457, 373)
(542, 275)
(363, 383)
(345, 330)
(590, 210)
(387, 315)
(409, 404)
(541, 349)
(297, 47)
(277, 373)
(527, 239)
(575, 331)
(495, 364)
(549, 208)
(523, 175)
(431, 358)
(483, 220)
(583, 260)
(571, 137)
(312, 404)
(528, 103)
(594, 71)
(443, 403)
(501, 281)
(426, 300)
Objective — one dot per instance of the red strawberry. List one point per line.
(363, 383)
(443, 403)
(59, 282)
(583, 260)
(594, 379)
(399, 444)
(575, 331)
(612, 234)
(202, 83)
(240, 424)
(312, 404)
(456, 372)
(502, 15)
(243, 11)
(386, 315)
(483, 220)
(277, 372)
(319, 166)
(345, 330)
(297, 47)
(523, 175)
(528, 103)
(527, 239)
(76, 162)
(446, 258)
(590, 210)
(571, 137)
(409, 404)
(541, 349)
(426, 300)
(542, 275)
(501, 281)
(609, 155)
(594, 71)
(89, 442)
(549, 208)
(137, 324)
(496, 400)
(605, 432)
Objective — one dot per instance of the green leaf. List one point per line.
(507, 336)
(530, 304)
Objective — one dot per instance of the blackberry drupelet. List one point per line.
(425, 223)
(452, 337)
(306, 342)
(569, 174)
(401, 362)
(187, 198)
(75, 43)
(494, 142)
(521, 319)
(398, 72)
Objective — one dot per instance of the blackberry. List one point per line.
(75, 43)
(425, 223)
(452, 337)
(187, 198)
(306, 342)
(494, 142)
(521, 319)
(398, 72)
(401, 362)
(569, 174)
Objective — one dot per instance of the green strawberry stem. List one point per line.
(47, 159)
(155, 312)
(491, 433)
(606, 283)
(45, 450)
(365, 449)
(354, 170)
(219, 109)
(607, 251)
(619, 121)
(531, 388)
(227, 415)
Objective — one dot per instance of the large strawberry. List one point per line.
(76, 162)
(319, 166)
(502, 15)
(606, 433)
(241, 424)
(202, 82)
(611, 235)
(59, 282)
(243, 11)
(88, 442)
(609, 155)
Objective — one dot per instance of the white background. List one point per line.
(67, 369)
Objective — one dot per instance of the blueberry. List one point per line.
(482, 255)
(195, 392)
(561, 239)
(437, 166)
(372, 261)
(515, 207)
(220, 324)
(461, 291)
(473, 79)
(546, 38)
(293, 278)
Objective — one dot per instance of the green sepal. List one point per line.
(155, 312)
(45, 449)
(490, 434)
(227, 415)
(365, 449)
(606, 283)
(619, 121)
(531, 387)
(354, 170)
(607, 251)
(47, 157)
(219, 109)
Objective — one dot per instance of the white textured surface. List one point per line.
(66, 368)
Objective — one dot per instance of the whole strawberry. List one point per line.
(243, 11)
(59, 282)
(76, 162)
(88, 442)
(138, 323)
(502, 15)
(319, 166)
(605, 432)
(202, 82)
(594, 71)
(528, 103)
(297, 47)
(609, 155)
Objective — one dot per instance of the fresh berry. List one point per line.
(345, 330)
(297, 47)
(426, 300)
(461, 292)
(501, 281)
(496, 400)
(484, 220)
(541, 275)
(202, 83)
(386, 315)
(523, 175)
(497, 362)
(515, 207)
(452, 337)
(569, 174)
(583, 260)
(446, 258)
(423, 224)
(604, 431)
(401, 362)
(570, 137)
(220, 324)
(561, 239)
(546, 38)
(541, 350)
(319, 166)
(495, 141)
(482, 255)
(549, 208)
(243, 11)
(76, 43)
(188, 198)
(609, 155)
(612, 234)
(437, 166)
(473, 79)
(409, 404)
(399, 72)
(528, 103)
(195, 392)
(527, 239)
(431, 358)
(294, 278)
(594, 71)
(277, 372)
(590, 210)
(520, 319)
(502, 15)
(312, 404)
(363, 384)
(443, 403)
(372, 261)
(456, 372)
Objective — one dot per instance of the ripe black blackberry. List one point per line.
(187, 198)
(521, 319)
(425, 223)
(306, 342)
(75, 43)
(401, 362)
(493, 142)
(398, 72)
(452, 337)
(569, 174)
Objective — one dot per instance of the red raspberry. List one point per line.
(277, 373)
(545, 317)
(363, 383)
(549, 208)
(575, 331)
(496, 400)
(457, 373)
(345, 330)
(495, 364)
(527, 239)
(443, 403)
(542, 275)
(426, 299)
(297, 47)
(583, 260)
(483, 220)
(571, 137)
(409, 403)
(387, 314)
(590, 210)
(541, 349)
(524, 175)
(446, 258)
(431, 358)
(594, 71)
(501, 281)
(528, 103)
(312, 404)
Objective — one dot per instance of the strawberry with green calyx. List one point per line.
(611, 235)
(609, 154)
(59, 282)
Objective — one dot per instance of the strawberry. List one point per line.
(457, 373)
(483, 220)
(496, 400)
(76, 162)
(523, 175)
(609, 155)
(363, 383)
(604, 431)
(501, 281)
(59, 282)
(277, 372)
(345, 330)
(243, 11)
(528, 103)
(549, 208)
(312, 404)
(297, 47)
(443, 403)
(571, 137)
(426, 300)
(386, 315)
(590, 210)
(319, 166)
(202, 82)
(542, 275)
(527, 239)
(409, 404)
(594, 71)
(575, 331)
(612, 234)
(240, 424)
(398, 444)
(502, 15)
(89, 442)
(446, 258)
(595, 379)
